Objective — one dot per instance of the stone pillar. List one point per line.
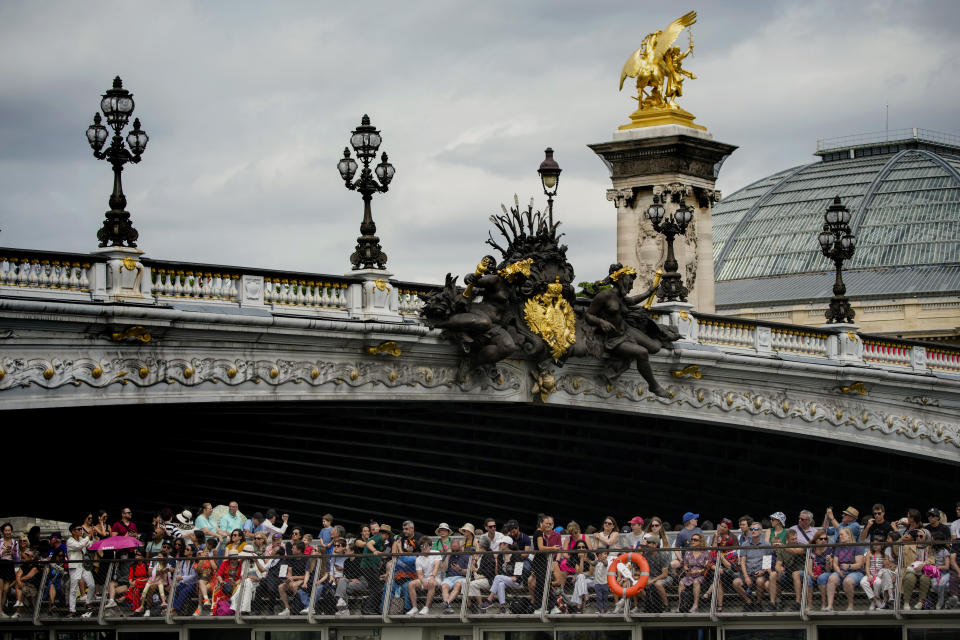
(122, 278)
(374, 297)
(643, 160)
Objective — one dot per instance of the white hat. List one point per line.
(185, 517)
(778, 515)
(506, 540)
(443, 525)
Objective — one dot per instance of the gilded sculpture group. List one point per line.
(524, 306)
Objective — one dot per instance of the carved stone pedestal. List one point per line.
(678, 316)
(844, 345)
(641, 162)
(122, 278)
(374, 298)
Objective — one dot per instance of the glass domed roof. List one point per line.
(904, 199)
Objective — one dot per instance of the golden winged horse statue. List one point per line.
(657, 66)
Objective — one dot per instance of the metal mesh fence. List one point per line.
(816, 580)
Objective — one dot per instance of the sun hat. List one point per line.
(386, 527)
(651, 537)
(779, 515)
(506, 540)
(185, 517)
(468, 527)
(443, 525)
(852, 511)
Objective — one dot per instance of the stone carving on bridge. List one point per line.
(804, 409)
(148, 371)
(523, 307)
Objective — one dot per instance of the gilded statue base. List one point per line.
(656, 117)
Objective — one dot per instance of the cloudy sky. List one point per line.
(249, 105)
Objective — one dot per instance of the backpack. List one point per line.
(223, 609)
(372, 605)
(521, 606)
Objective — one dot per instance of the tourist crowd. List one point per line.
(263, 565)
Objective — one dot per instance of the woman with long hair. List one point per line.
(9, 557)
(655, 526)
(608, 537)
(696, 563)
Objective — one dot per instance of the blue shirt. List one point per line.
(833, 533)
(326, 536)
(249, 528)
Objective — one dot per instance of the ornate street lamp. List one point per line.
(550, 177)
(837, 244)
(365, 141)
(671, 286)
(117, 107)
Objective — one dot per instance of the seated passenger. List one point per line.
(756, 570)
(353, 581)
(591, 574)
(879, 574)
(26, 582)
(915, 558)
(206, 569)
(428, 569)
(790, 561)
(185, 579)
(847, 565)
(293, 578)
(253, 571)
(696, 563)
(818, 569)
(660, 579)
(510, 566)
(454, 575)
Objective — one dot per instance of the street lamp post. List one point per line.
(838, 244)
(550, 177)
(117, 107)
(365, 141)
(671, 287)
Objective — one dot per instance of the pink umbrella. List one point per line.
(115, 543)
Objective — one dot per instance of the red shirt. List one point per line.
(122, 529)
(223, 573)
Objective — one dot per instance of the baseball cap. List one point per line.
(637, 520)
(688, 516)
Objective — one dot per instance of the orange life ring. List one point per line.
(634, 589)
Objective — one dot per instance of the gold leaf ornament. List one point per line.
(551, 317)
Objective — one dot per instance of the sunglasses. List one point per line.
(491, 526)
(609, 523)
(655, 525)
(755, 529)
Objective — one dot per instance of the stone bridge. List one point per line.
(113, 328)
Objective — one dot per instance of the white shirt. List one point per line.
(77, 548)
(427, 564)
(955, 529)
(270, 529)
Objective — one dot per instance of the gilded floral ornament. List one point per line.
(141, 334)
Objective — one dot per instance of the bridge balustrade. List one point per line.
(68, 277)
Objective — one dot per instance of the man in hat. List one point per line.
(635, 537)
(934, 523)
(252, 526)
(848, 520)
(684, 536)
(660, 579)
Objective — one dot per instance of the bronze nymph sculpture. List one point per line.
(629, 333)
